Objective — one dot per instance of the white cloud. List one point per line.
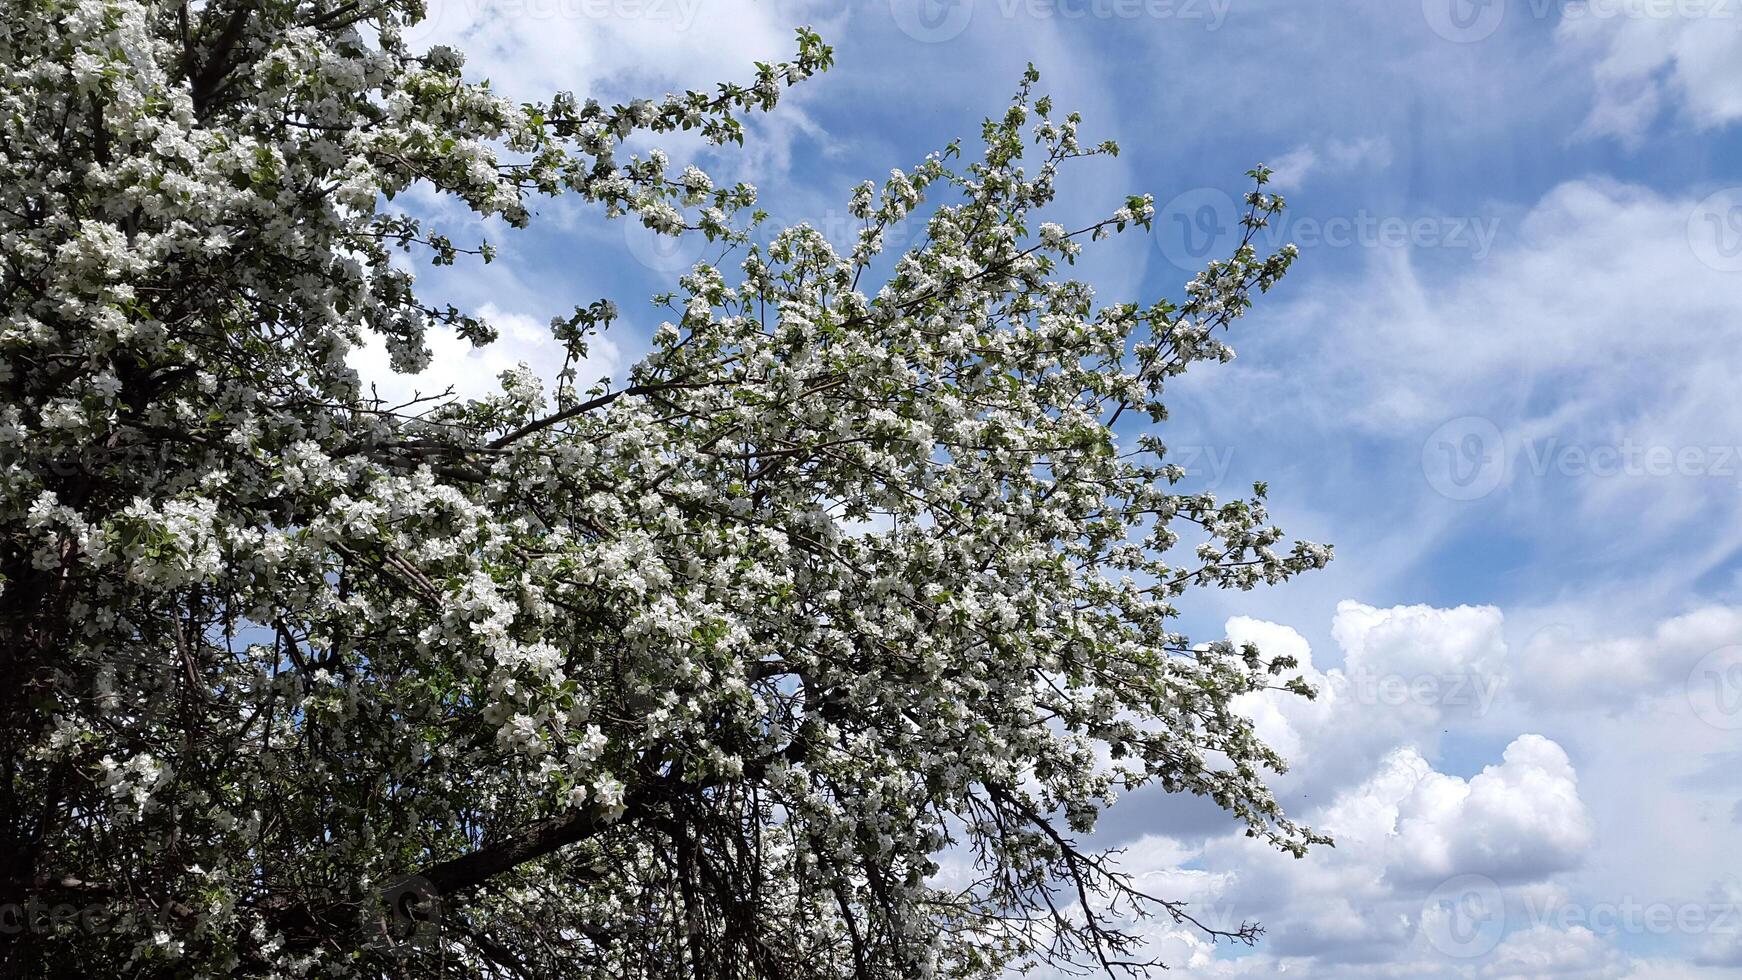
(530, 48)
(1558, 668)
(1587, 272)
(1406, 826)
(616, 50)
(1420, 640)
(1540, 951)
(1521, 819)
(1405, 671)
(1598, 342)
(1332, 158)
(474, 372)
(1358, 910)
(1647, 56)
(1723, 946)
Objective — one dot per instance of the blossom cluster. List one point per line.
(871, 565)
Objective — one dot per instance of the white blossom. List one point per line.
(864, 566)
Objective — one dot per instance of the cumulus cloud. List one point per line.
(1361, 909)
(1405, 671)
(1513, 861)
(1404, 826)
(1542, 951)
(1617, 671)
(1519, 820)
(1420, 641)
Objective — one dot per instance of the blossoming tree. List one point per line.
(810, 648)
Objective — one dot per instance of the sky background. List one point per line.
(1501, 380)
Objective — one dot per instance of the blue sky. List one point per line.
(1500, 379)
